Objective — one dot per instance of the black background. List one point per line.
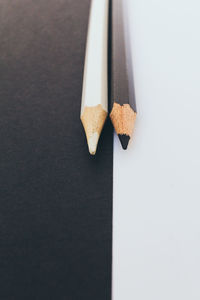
(55, 200)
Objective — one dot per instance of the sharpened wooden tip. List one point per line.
(93, 119)
(123, 119)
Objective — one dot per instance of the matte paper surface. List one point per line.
(55, 200)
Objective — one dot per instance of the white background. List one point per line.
(156, 243)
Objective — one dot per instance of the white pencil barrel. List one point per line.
(95, 83)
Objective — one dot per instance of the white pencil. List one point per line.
(94, 108)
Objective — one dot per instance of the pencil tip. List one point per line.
(124, 139)
(92, 143)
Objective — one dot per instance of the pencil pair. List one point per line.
(94, 108)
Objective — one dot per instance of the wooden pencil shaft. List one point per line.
(120, 85)
(94, 106)
(95, 82)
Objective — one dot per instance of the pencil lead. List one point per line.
(93, 142)
(124, 139)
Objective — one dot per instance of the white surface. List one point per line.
(95, 85)
(156, 243)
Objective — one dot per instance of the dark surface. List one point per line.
(122, 86)
(55, 200)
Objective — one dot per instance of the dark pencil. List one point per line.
(123, 106)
